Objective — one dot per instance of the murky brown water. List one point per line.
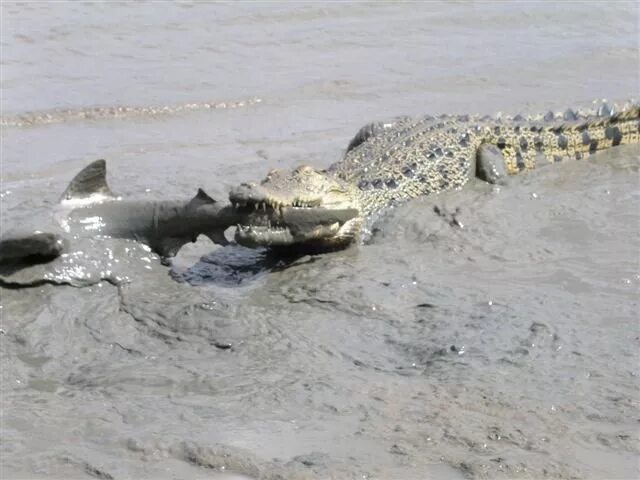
(505, 349)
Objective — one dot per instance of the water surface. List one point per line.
(504, 349)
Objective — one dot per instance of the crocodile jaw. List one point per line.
(320, 237)
(303, 207)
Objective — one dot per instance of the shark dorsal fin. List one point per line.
(91, 180)
(201, 198)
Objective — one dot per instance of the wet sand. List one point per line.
(504, 349)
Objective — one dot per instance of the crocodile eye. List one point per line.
(274, 172)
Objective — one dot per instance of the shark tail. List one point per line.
(38, 247)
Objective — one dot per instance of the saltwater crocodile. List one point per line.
(388, 163)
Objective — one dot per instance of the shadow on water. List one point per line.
(235, 265)
(229, 266)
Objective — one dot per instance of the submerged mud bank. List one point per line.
(503, 344)
(502, 349)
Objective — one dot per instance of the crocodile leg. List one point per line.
(490, 164)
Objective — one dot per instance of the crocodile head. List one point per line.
(301, 208)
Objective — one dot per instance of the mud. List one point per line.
(485, 333)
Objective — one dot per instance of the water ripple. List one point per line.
(63, 115)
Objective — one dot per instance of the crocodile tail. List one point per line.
(531, 146)
(621, 128)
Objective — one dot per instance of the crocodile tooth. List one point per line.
(604, 110)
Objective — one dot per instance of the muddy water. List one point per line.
(504, 349)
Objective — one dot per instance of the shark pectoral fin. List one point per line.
(169, 247)
(39, 247)
(91, 180)
(217, 236)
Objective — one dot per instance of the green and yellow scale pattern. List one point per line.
(411, 158)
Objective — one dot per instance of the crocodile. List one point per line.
(389, 163)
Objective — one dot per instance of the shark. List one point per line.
(88, 211)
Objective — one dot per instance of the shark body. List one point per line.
(88, 209)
